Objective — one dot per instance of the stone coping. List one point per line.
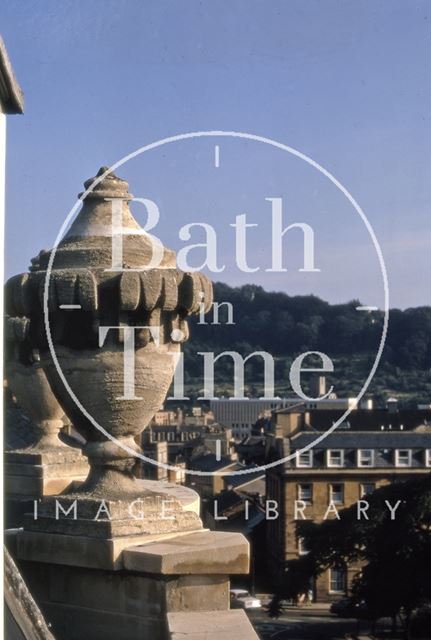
(80, 551)
(205, 552)
(61, 455)
(210, 625)
(190, 553)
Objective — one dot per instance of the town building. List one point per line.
(167, 443)
(252, 450)
(196, 417)
(156, 466)
(210, 473)
(241, 414)
(373, 447)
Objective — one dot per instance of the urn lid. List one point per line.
(82, 273)
(89, 241)
(110, 186)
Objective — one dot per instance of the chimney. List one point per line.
(317, 386)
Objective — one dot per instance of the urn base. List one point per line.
(87, 531)
(80, 515)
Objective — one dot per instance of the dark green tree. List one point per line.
(393, 552)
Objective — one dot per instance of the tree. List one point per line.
(394, 552)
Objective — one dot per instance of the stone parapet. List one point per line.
(186, 574)
(206, 552)
(31, 475)
(210, 625)
(42, 473)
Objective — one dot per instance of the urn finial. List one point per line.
(111, 186)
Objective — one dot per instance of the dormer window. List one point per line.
(403, 458)
(304, 458)
(365, 458)
(335, 457)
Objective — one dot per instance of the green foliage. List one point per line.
(286, 326)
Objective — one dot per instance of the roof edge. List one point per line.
(13, 95)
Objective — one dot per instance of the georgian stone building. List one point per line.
(373, 448)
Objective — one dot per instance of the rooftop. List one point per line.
(209, 462)
(11, 95)
(370, 419)
(364, 439)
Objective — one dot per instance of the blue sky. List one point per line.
(347, 83)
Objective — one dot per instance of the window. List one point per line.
(304, 459)
(365, 458)
(305, 492)
(367, 488)
(337, 580)
(302, 547)
(403, 457)
(335, 457)
(428, 457)
(336, 493)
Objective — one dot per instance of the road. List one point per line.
(301, 624)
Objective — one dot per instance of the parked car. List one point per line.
(347, 608)
(241, 599)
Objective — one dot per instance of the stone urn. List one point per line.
(27, 381)
(37, 462)
(96, 379)
(116, 332)
(33, 393)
